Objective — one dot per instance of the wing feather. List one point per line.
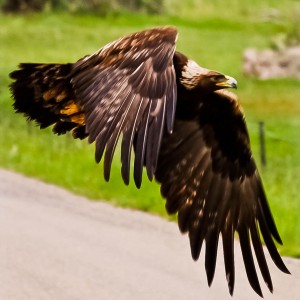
(212, 240)
(113, 133)
(271, 246)
(113, 124)
(209, 178)
(118, 85)
(256, 242)
(228, 249)
(248, 260)
(141, 147)
(127, 141)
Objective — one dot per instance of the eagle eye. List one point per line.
(217, 78)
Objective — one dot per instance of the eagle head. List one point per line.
(195, 77)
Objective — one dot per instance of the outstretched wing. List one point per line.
(129, 88)
(208, 176)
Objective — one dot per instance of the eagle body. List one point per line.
(181, 125)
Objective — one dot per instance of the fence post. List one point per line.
(262, 142)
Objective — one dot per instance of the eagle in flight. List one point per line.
(185, 128)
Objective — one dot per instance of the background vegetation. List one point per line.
(212, 32)
(100, 7)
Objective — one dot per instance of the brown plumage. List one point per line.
(186, 130)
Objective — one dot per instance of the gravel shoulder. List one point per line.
(56, 245)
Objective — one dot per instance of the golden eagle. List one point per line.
(186, 130)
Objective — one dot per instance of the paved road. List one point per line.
(55, 245)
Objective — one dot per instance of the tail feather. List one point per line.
(43, 93)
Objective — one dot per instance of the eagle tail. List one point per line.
(43, 93)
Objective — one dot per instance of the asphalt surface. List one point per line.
(55, 245)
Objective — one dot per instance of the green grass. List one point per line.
(215, 42)
(231, 9)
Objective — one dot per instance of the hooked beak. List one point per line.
(230, 82)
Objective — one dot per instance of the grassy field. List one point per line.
(215, 42)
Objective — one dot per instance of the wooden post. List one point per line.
(262, 142)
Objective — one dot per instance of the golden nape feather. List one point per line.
(185, 129)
